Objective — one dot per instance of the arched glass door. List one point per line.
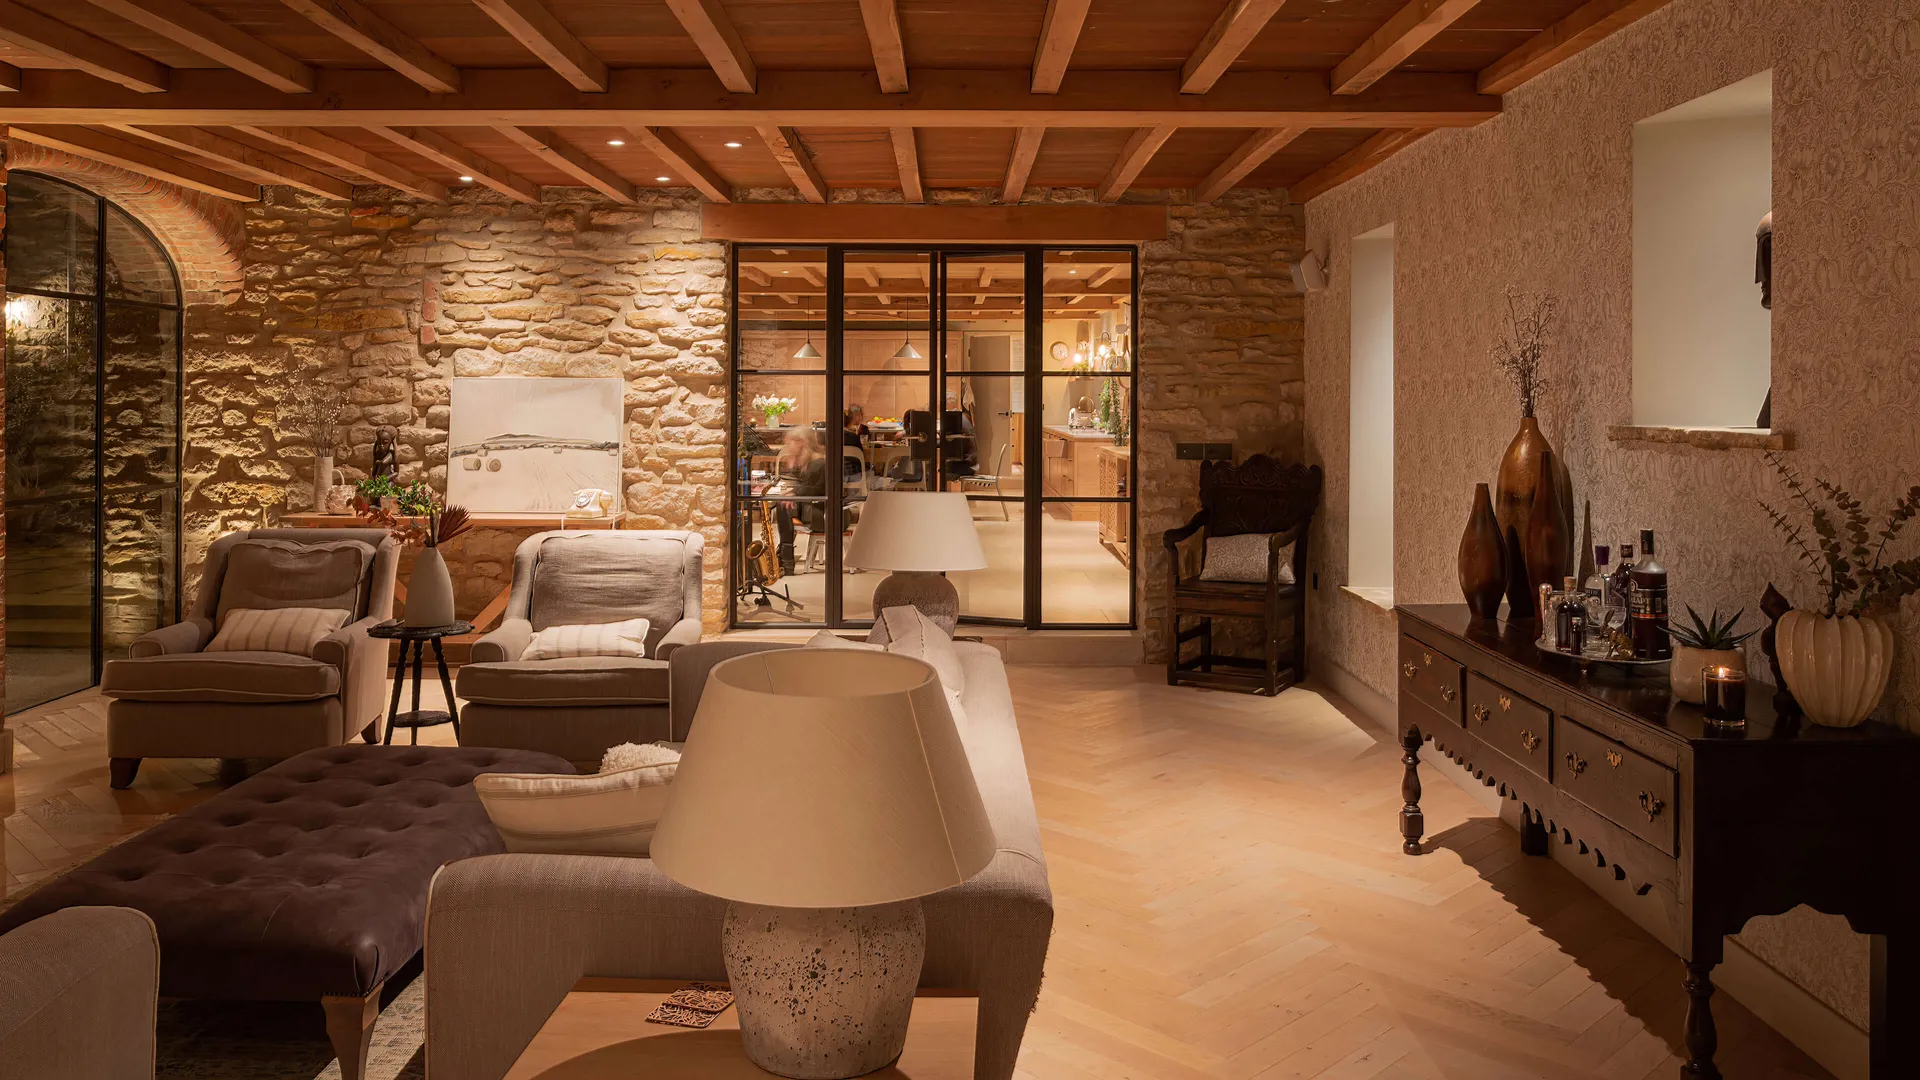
(92, 437)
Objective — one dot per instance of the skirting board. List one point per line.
(1804, 1020)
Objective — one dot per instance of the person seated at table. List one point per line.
(803, 471)
(853, 436)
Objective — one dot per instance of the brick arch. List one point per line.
(204, 234)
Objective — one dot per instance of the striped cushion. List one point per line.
(608, 814)
(627, 638)
(285, 630)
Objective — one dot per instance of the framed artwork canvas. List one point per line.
(525, 445)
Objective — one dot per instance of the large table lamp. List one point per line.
(918, 535)
(823, 792)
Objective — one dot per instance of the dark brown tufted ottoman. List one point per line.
(308, 881)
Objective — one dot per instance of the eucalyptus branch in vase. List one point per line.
(1855, 574)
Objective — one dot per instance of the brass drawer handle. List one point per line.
(1506, 703)
(1447, 693)
(1411, 670)
(1577, 763)
(1529, 740)
(1427, 657)
(1480, 712)
(1613, 758)
(1651, 805)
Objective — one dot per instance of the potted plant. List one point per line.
(1707, 643)
(774, 407)
(424, 522)
(1836, 659)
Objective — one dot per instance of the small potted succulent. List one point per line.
(1707, 643)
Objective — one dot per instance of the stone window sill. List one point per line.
(1704, 438)
(1380, 596)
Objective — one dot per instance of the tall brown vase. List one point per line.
(1514, 504)
(1549, 542)
(1483, 558)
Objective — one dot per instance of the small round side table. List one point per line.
(417, 637)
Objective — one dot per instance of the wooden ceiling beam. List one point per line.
(266, 167)
(549, 147)
(1232, 32)
(1246, 158)
(1353, 163)
(1058, 36)
(1140, 148)
(335, 151)
(448, 154)
(707, 22)
(906, 157)
(1026, 147)
(694, 98)
(216, 39)
(136, 157)
(9, 77)
(883, 35)
(361, 27)
(1405, 34)
(787, 149)
(535, 26)
(681, 158)
(1587, 24)
(76, 48)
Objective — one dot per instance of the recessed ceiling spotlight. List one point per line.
(466, 179)
(1073, 271)
(664, 179)
(733, 146)
(616, 142)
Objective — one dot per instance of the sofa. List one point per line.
(78, 990)
(171, 698)
(577, 707)
(509, 935)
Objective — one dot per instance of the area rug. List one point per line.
(274, 1040)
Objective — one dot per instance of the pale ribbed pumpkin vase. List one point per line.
(1836, 667)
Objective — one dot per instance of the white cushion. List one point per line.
(625, 638)
(604, 814)
(910, 633)
(283, 630)
(1244, 558)
(827, 639)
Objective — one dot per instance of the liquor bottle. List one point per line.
(1567, 609)
(1620, 593)
(1596, 585)
(1648, 615)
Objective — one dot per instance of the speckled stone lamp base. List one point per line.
(824, 994)
(933, 594)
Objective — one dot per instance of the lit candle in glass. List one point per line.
(1726, 695)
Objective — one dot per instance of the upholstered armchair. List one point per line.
(577, 707)
(172, 698)
(78, 990)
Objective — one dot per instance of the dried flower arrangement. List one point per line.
(430, 523)
(315, 410)
(1852, 569)
(1530, 323)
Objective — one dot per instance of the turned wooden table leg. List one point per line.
(350, 1028)
(1702, 1040)
(1412, 822)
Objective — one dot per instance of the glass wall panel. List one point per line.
(137, 267)
(1083, 552)
(138, 565)
(999, 591)
(51, 235)
(782, 310)
(140, 431)
(1089, 321)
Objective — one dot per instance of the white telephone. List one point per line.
(591, 503)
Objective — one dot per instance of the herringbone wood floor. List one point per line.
(1231, 901)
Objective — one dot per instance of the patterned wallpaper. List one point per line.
(1541, 198)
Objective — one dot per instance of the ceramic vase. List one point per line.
(1548, 544)
(1684, 675)
(1483, 558)
(1836, 667)
(322, 481)
(429, 591)
(1514, 504)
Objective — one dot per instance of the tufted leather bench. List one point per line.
(307, 881)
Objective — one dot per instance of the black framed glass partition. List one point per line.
(1002, 373)
(93, 427)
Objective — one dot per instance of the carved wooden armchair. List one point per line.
(1259, 495)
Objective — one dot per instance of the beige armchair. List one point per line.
(78, 989)
(170, 698)
(577, 707)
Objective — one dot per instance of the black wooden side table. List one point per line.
(417, 637)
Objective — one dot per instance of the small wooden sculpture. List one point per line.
(1775, 606)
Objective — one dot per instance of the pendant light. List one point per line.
(906, 351)
(807, 351)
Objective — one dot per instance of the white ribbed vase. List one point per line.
(1836, 667)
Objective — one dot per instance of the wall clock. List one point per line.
(1058, 350)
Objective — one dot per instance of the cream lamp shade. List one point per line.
(916, 530)
(823, 778)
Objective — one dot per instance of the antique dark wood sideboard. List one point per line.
(1716, 827)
